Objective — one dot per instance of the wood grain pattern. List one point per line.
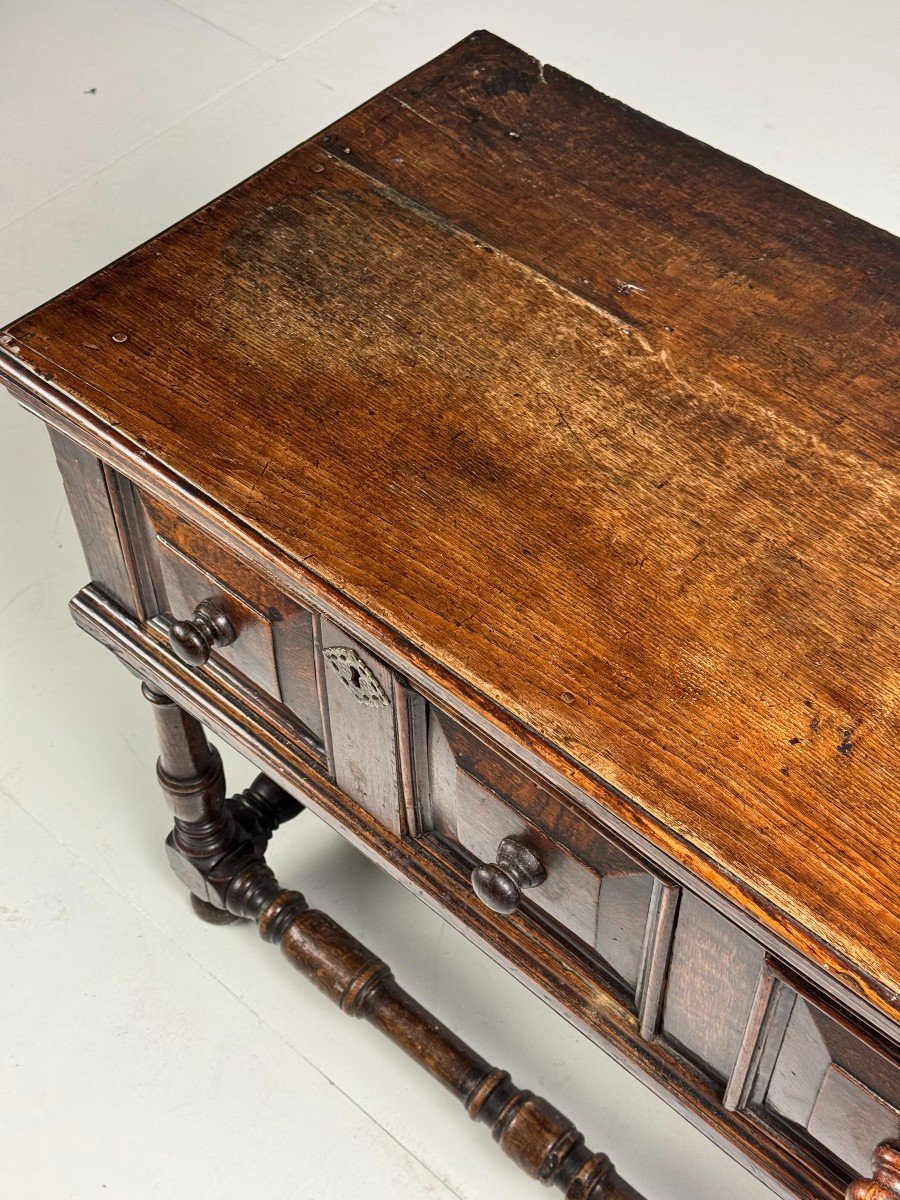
(848, 1118)
(251, 652)
(363, 745)
(534, 1134)
(275, 642)
(656, 955)
(761, 1030)
(713, 976)
(832, 1079)
(631, 396)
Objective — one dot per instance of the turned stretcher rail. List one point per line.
(534, 1134)
(216, 848)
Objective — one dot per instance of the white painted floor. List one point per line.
(143, 1054)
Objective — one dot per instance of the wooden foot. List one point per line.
(217, 849)
(211, 913)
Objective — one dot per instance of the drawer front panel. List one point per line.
(714, 972)
(834, 1083)
(361, 719)
(275, 644)
(595, 890)
(252, 652)
(571, 891)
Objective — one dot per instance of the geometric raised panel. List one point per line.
(594, 889)
(835, 1083)
(252, 651)
(850, 1120)
(274, 643)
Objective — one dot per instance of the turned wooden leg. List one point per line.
(885, 1181)
(193, 783)
(190, 774)
(206, 825)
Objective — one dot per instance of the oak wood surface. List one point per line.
(363, 746)
(594, 418)
(711, 983)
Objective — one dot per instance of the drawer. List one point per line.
(821, 1077)
(273, 647)
(595, 891)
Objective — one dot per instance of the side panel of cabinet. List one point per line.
(85, 480)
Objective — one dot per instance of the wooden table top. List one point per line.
(596, 420)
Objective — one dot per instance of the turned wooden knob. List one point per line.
(885, 1181)
(500, 884)
(194, 640)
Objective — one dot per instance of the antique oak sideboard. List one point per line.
(512, 480)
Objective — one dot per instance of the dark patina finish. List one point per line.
(552, 507)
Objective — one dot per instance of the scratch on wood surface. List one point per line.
(469, 147)
(666, 360)
(629, 289)
(254, 487)
(582, 446)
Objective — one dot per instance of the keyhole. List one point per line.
(355, 676)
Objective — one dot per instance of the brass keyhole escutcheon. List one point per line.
(356, 676)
